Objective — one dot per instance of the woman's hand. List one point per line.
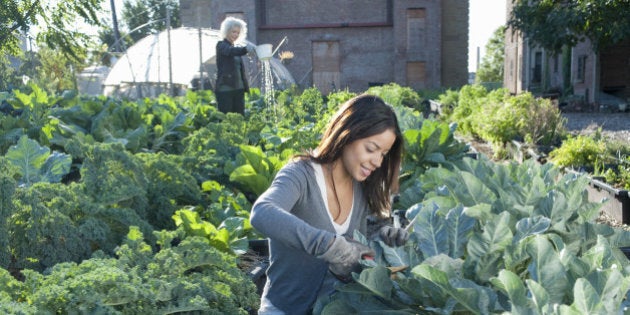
(392, 236)
(344, 255)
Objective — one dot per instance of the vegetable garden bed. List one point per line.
(618, 204)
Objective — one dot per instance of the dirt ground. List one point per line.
(614, 125)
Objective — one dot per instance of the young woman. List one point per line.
(316, 202)
(232, 84)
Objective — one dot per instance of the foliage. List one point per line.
(33, 109)
(433, 145)
(208, 149)
(619, 175)
(495, 238)
(8, 186)
(397, 95)
(556, 24)
(166, 163)
(52, 20)
(55, 72)
(579, 151)
(229, 237)
(10, 78)
(254, 170)
(169, 187)
(491, 67)
(146, 17)
(521, 117)
(191, 277)
(36, 163)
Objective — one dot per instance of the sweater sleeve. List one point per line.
(224, 48)
(272, 216)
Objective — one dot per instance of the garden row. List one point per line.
(524, 127)
(117, 207)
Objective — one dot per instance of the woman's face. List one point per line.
(361, 157)
(233, 34)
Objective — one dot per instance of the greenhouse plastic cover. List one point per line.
(147, 61)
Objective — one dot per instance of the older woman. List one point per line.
(232, 84)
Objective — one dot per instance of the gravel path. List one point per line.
(614, 125)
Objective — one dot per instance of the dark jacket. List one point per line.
(226, 71)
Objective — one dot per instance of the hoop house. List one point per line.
(147, 68)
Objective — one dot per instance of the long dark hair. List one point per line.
(361, 117)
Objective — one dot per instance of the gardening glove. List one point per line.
(392, 236)
(343, 255)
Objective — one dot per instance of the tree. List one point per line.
(553, 24)
(145, 17)
(491, 67)
(52, 18)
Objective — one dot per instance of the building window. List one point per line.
(537, 75)
(326, 66)
(581, 68)
(416, 74)
(416, 30)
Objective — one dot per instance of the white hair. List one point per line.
(230, 23)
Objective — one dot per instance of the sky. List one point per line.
(485, 17)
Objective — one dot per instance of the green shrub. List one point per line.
(580, 151)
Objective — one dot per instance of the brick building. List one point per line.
(595, 78)
(354, 43)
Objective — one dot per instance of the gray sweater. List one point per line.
(292, 214)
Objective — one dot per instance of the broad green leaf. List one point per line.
(473, 298)
(585, 298)
(246, 175)
(486, 249)
(513, 286)
(539, 296)
(29, 157)
(377, 280)
(433, 236)
(459, 226)
(547, 269)
(35, 163)
(530, 226)
(495, 237)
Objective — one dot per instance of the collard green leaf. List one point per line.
(471, 297)
(495, 237)
(486, 250)
(509, 283)
(539, 296)
(459, 226)
(585, 298)
(547, 269)
(377, 281)
(35, 163)
(433, 236)
(530, 226)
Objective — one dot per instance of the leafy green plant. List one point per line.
(254, 170)
(228, 237)
(579, 151)
(397, 95)
(433, 145)
(188, 277)
(494, 238)
(36, 163)
(619, 175)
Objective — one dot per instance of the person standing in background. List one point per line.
(232, 84)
